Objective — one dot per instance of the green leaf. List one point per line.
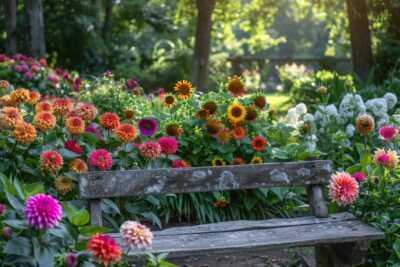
(18, 246)
(89, 230)
(67, 154)
(17, 224)
(152, 217)
(80, 218)
(14, 202)
(249, 201)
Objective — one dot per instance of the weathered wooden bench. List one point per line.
(339, 239)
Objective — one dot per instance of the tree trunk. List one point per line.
(10, 15)
(205, 9)
(97, 9)
(394, 10)
(108, 7)
(35, 28)
(360, 36)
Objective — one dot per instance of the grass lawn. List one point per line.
(278, 101)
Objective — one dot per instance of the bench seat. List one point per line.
(257, 235)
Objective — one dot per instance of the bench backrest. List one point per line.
(97, 185)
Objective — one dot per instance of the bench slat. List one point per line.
(324, 232)
(202, 179)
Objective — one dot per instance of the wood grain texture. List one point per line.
(316, 200)
(292, 233)
(202, 179)
(95, 212)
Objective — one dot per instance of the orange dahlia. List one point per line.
(238, 132)
(104, 249)
(62, 106)
(78, 166)
(212, 127)
(33, 97)
(183, 89)
(4, 84)
(24, 133)
(5, 101)
(63, 184)
(224, 136)
(109, 121)
(44, 121)
(235, 86)
(9, 117)
(169, 101)
(75, 125)
(20, 95)
(125, 132)
(258, 143)
(51, 161)
(44, 106)
(86, 111)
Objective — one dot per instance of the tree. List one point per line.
(205, 9)
(10, 15)
(360, 37)
(35, 28)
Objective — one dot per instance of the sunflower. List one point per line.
(251, 114)
(224, 136)
(212, 127)
(217, 162)
(63, 184)
(236, 87)
(236, 113)
(202, 114)
(211, 106)
(256, 160)
(238, 132)
(173, 128)
(259, 100)
(169, 101)
(183, 89)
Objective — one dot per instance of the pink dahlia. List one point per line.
(180, 163)
(42, 211)
(101, 159)
(359, 176)
(73, 146)
(135, 235)
(387, 132)
(343, 189)
(92, 129)
(2, 209)
(169, 145)
(86, 111)
(150, 150)
(389, 158)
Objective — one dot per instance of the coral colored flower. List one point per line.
(50, 161)
(42, 211)
(238, 132)
(109, 121)
(259, 101)
(211, 106)
(24, 133)
(33, 97)
(256, 160)
(150, 150)
(62, 106)
(44, 121)
(173, 129)
(73, 146)
(44, 106)
(212, 127)
(20, 95)
(388, 159)
(63, 184)
(169, 101)
(202, 114)
(387, 132)
(92, 129)
(75, 125)
(101, 159)
(236, 86)
(238, 161)
(104, 249)
(251, 114)
(135, 235)
(179, 163)
(168, 145)
(78, 166)
(258, 143)
(236, 113)
(147, 126)
(4, 84)
(9, 117)
(365, 124)
(125, 132)
(343, 189)
(223, 136)
(359, 176)
(183, 89)
(86, 111)
(217, 162)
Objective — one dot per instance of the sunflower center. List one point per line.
(237, 112)
(184, 89)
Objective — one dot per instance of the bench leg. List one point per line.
(95, 212)
(341, 254)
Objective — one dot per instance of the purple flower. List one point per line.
(147, 126)
(7, 231)
(71, 259)
(24, 68)
(150, 96)
(18, 68)
(76, 88)
(92, 129)
(42, 211)
(28, 75)
(3, 58)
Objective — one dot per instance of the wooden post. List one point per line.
(95, 212)
(316, 200)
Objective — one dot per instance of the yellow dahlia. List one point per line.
(236, 113)
(24, 133)
(183, 89)
(44, 121)
(236, 87)
(20, 95)
(78, 166)
(169, 101)
(63, 184)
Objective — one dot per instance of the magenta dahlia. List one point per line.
(169, 145)
(42, 211)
